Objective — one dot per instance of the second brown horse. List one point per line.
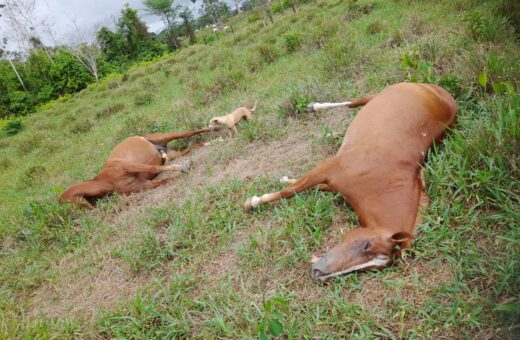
(131, 166)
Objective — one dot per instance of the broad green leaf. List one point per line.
(483, 79)
(503, 87)
(275, 327)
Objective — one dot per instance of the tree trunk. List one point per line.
(291, 2)
(173, 36)
(268, 11)
(48, 55)
(269, 15)
(237, 3)
(17, 74)
(189, 29)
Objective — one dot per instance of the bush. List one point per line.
(483, 27)
(33, 175)
(292, 42)
(277, 7)
(20, 103)
(253, 18)
(268, 52)
(143, 99)
(375, 28)
(13, 126)
(82, 126)
(295, 105)
(110, 110)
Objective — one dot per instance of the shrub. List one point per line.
(277, 7)
(33, 174)
(82, 126)
(208, 39)
(292, 41)
(295, 105)
(253, 18)
(268, 52)
(20, 103)
(110, 110)
(417, 69)
(143, 99)
(483, 27)
(13, 126)
(375, 28)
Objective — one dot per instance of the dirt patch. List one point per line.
(84, 294)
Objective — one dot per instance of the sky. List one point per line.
(89, 13)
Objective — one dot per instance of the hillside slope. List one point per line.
(185, 260)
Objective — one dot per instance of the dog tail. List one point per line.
(254, 107)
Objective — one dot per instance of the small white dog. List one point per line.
(231, 120)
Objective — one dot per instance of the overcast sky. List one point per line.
(89, 13)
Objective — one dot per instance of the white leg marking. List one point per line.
(255, 201)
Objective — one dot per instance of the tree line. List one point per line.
(40, 72)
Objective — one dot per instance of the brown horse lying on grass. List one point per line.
(131, 166)
(377, 170)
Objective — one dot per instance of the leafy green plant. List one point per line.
(272, 321)
(417, 69)
(13, 126)
(294, 106)
(292, 41)
(483, 27)
(268, 52)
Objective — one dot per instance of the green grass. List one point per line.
(195, 264)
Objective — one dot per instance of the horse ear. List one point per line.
(401, 237)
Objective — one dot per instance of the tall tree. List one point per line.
(133, 30)
(168, 14)
(187, 17)
(8, 55)
(26, 26)
(84, 45)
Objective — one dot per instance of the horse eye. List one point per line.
(367, 245)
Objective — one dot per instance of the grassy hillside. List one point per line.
(185, 260)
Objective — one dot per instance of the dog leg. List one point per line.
(165, 138)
